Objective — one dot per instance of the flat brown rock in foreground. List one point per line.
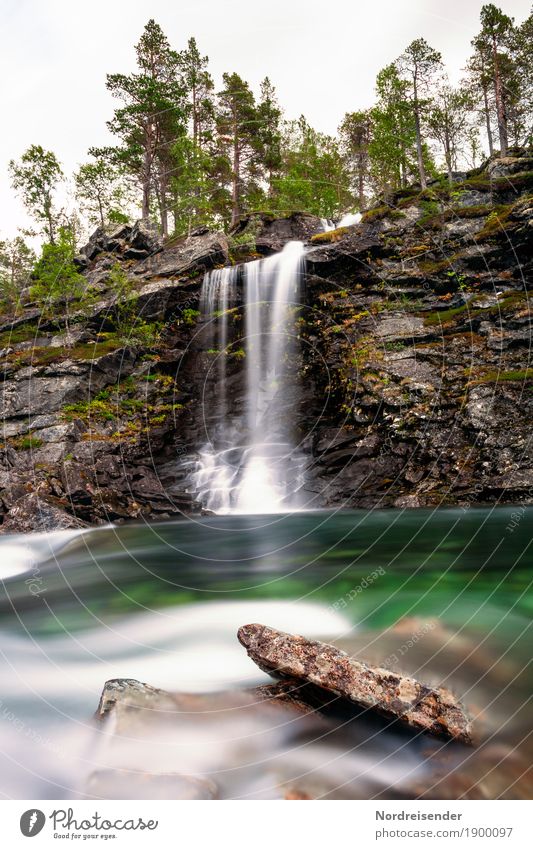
(424, 708)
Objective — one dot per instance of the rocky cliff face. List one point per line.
(415, 362)
(420, 343)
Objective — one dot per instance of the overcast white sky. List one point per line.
(322, 57)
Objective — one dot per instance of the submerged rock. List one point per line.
(133, 784)
(423, 708)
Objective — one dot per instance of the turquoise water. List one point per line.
(444, 595)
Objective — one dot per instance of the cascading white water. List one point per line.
(250, 464)
(213, 476)
(349, 219)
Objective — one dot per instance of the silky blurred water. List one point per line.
(444, 595)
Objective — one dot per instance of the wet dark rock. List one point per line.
(424, 708)
(268, 234)
(349, 255)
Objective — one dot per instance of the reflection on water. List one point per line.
(440, 595)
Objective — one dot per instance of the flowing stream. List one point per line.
(250, 464)
(443, 595)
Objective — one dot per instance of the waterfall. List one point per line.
(349, 219)
(250, 464)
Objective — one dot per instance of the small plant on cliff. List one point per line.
(27, 443)
(130, 328)
(189, 316)
(58, 286)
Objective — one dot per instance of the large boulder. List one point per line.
(143, 241)
(36, 513)
(199, 252)
(135, 242)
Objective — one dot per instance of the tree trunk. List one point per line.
(236, 179)
(487, 119)
(163, 203)
(147, 174)
(449, 164)
(421, 170)
(146, 188)
(361, 182)
(101, 211)
(500, 102)
(49, 220)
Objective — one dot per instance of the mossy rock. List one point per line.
(381, 212)
(515, 182)
(329, 236)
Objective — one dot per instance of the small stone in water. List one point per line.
(423, 708)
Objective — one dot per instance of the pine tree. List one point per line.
(523, 54)
(190, 186)
(198, 87)
(496, 37)
(419, 64)
(269, 128)
(238, 131)
(448, 123)
(392, 147)
(355, 134)
(36, 178)
(479, 81)
(151, 118)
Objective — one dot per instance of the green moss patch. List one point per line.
(26, 443)
(24, 333)
(329, 236)
(120, 404)
(510, 302)
(512, 376)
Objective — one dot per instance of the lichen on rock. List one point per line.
(424, 708)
